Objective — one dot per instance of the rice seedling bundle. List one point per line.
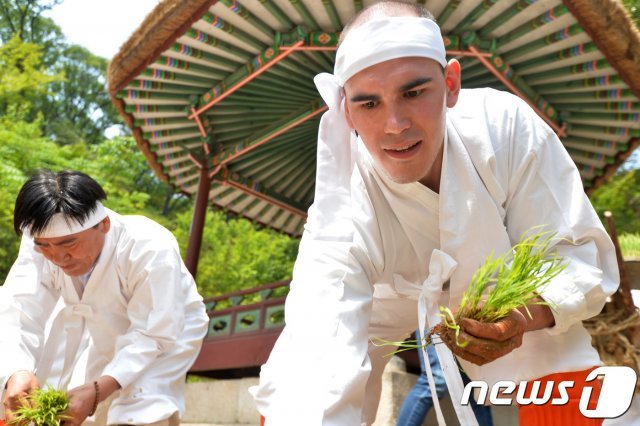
(502, 284)
(42, 407)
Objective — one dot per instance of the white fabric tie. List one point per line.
(70, 321)
(441, 266)
(335, 162)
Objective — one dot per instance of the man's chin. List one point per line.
(400, 178)
(73, 272)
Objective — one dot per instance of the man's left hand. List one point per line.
(81, 402)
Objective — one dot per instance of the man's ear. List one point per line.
(453, 81)
(106, 224)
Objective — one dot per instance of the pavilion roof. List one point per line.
(227, 85)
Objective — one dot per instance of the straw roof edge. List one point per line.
(611, 28)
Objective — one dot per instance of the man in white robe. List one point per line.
(128, 303)
(417, 183)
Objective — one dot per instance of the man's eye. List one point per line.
(368, 105)
(413, 93)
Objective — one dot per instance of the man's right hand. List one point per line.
(19, 385)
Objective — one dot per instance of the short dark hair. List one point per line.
(386, 8)
(46, 193)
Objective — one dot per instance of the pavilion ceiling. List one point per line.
(227, 86)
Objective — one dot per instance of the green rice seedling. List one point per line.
(42, 407)
(511, 281)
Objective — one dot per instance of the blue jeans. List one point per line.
(418, 402)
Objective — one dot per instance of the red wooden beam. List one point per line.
(197, 227)
(196, 117)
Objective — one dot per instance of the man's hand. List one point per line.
(486, 342)
(83, 399)
(19, 385)
(81, 402)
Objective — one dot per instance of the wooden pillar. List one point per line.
(197, 223)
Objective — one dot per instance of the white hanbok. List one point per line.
(139, 319)
(504, 172)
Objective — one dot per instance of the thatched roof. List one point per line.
(575, 61)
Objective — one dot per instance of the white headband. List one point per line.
(388, 38)
(61, 225)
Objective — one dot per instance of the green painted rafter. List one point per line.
(528, 27)
(252, 19)
(215, 42)
(277, 13)
(304, 13)
(473, 16)
(332, 13)
(222, 25)
(267, 134)
(507, 75)
(501, 19)
(451, 7)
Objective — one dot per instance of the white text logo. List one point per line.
(618, 385)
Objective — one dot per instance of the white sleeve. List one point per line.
(27, 299)
(546, 189)
(318, 369)
(317, 372)
(158, 283)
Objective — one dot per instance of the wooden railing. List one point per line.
(243, 327)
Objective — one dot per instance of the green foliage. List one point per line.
(633, 6)
(73, 100)
(24, 18)
(79, 101)
(237, 255)
(43, 407)
(630, 245)
(621, 196)
(22, 77)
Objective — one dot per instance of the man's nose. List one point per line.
(60, 255)
(396, 121)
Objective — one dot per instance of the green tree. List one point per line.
(24, 18)
(633, 6)
(78, 106)
(237, 255)
(22, 78)
(621, 196)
